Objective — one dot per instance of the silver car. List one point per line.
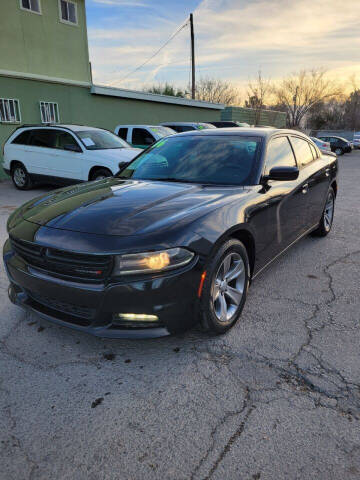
(324, 147)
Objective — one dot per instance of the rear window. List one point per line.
(23, 138)
(42, 138)
(123, 133)
(302, 151)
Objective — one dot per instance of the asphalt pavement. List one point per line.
(276, 398)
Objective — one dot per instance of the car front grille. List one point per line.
(64, 264)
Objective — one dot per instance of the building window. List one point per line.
(68, 12)
(31, 5)
(9, 110)
(49, 112)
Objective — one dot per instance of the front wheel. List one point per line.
(20, 177)
(225, 287)
(100, 174)
(327, 217)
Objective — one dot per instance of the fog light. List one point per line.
(137, 317)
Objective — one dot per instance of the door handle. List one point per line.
(305, 188)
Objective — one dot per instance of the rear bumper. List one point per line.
(94, 308)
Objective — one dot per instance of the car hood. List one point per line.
(125, 207)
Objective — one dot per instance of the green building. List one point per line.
(45, 75)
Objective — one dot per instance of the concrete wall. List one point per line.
(267, 117)
(42, 44)
(78, 105)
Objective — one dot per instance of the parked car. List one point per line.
(142, 136)
(323, 146)
(338, 145)
(228, 124)
(173, 238)
(356, 140)
(63, 154)
(187, 126)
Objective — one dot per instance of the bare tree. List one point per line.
(257, 95)
(166, 89)
(301, 91)
(216, 91)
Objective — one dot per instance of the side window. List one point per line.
(42, 138)
(23, 138)
(279, 154)
(123, 133)
(141, 136)
(65, 141)
(302, 151)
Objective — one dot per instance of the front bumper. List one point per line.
(93, 308)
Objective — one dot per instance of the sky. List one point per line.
(234, 39)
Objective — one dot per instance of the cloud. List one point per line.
(234, 38)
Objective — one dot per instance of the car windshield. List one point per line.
(162, 131)
(226, 159)
(101, 140)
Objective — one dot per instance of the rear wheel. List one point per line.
(100, 173)
(20, 177)
(225, 287)
(339, 151)
(327, 217)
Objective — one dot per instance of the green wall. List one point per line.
(267, 117)
(42, 44)
(78, 105)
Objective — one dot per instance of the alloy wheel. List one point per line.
(19, 177)
(329, 211)
(228, 287)
(338, 151)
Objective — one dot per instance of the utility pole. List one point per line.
(192, 56)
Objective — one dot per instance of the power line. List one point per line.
(154, 55)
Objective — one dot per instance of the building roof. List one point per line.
(153, 97)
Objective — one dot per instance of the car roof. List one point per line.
(73, 127)
(139, 126)
(245, 132)
(165, 124)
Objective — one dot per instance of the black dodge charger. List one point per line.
(175, 237)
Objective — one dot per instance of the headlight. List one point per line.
(152, 261)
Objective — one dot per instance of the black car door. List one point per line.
(282, 217)
(315, 172)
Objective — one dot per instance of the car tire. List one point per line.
(327, 216)
(339, 151)
(225, 287)
(100, 174)
(20, 177)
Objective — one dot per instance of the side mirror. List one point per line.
(123, 165)
(283, 173)
(72, 148)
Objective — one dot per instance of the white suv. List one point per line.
(63, 154)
